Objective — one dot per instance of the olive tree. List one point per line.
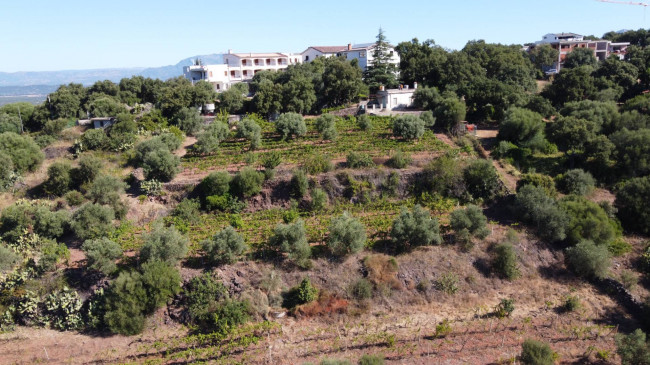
(225, 246)
(101, 254)
(346, 235)
(290, 124)
(292, 239)
(326, 126)
(415, 228)
(92, 221)
(408, 127)
(164, 244)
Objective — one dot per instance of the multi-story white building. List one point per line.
(314, 52)
(239, 67)
(361, 52)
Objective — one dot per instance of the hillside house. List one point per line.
(396, 99)
(314, 52)
(360, 52)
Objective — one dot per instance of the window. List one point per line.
(245, 72)
(362, 54)
(232, 73)
(306, 58)
(257, 62)
(268, 61)
(243, 63)
(391, 53)
(218, 87)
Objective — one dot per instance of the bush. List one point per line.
(229, 315)
(371, 360)
(357, 160)
(536, 353)
(449, 113)
(225, 246)
(482, 179)
(165, 141)
(94, 139)
(505, 308)
(471, 219)
(540, 180)
(125, 304)
(58, 179)
(101, 254)
(55, 127)
(106, 190)
(587, 221)
(216, 183)
(505, 260)
(188, 120)
(208, 141)
(7, 175)
(317, 163)
(415, 228)
(571, 303)
(161, 281)
(203, 294)
(522, 127)
(576, 182)
(447, 283)
(535, 207)
(304, 293)
(633, 348)
(631, 201)
(247, 182)
(428, 118)
(319, 199)
(30, 216)
(23, 151)
(443, 329)
(346, 235)
(160, 165)
(361, 289)
(588, 259)
(364, 122)
(408, 127)
(8, 258)
(187, 211)
(223, 203)
(326, 126)
(399, 160)
(290, 124)
(164, 244)
(298, 184)
(445, 177)
(88, 170)
(151, 187)
(292, 239)
(250, 130)
(270, 162)
(92, 221)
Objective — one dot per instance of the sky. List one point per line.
(47, 35)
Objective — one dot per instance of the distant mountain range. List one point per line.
(44, 82)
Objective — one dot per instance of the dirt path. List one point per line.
(488, 138)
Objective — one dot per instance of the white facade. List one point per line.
(363, 53)
(565, 43)
(314, 52)
(393, 99)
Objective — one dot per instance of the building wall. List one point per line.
(365, 56)
(311, 54)
(394, 99)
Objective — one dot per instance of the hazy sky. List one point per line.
(43, 35)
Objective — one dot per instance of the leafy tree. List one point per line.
(364, 122)
(232, 100)
(535, 207)
(381, 71)
(539, 180)
(248, 182)
(203, 294)
(164, 244)
(101, 254)
(505, 260)
(602, 115)
(481, 179)
(203, 93)
(421, 62)
(319, 200)
(94, 139)
(299, 184)
(105, 106)
(10, 123)
(576, 181)
(426, 98)
(161, 281)
(632, 151)
(523, 127)
(471, 219)
(326, 126)
(633, 348)
(88, 170)
(208, 140)
(216, 183)
(449, 113)
(250, 130)
(24, 152)
(536, 353)
(125, 304)
(268, 96)
(346, 235)
(580, 57)
(428, 118)
(290, 124)
(571, 84)
(358, 160)
(399, 160)
(58, 179)
(342, 82)
(443, 176)
(543, 56)
(106, 190)
(541, 105)
(588, 259)
(408, 127)
(225, 246)
(188, 120)
(415, 228)
(631, 201)
(298, 94)
(92, 221)
(292, 239)
(160, 165)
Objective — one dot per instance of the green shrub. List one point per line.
(444, 176)
(250, 130)
(161, 281)
(633, 348)
(125, 304)
(290, 124)
(428, 118)
(88, 170)
(23, 151)
(631, 201)
(536, 353)
(543, 212)
(505, 308)
(230, 314)
(540, 180)
(58, 179)
(151, 187)
(203, 294)
(357, 160)
(55, 127)
(364, 122)
(107, 190)
(449, 113)
(224, 203)
(408, 127)
(319, 199)
(225, 246)
(326, 126)
(101, 254)
(208, 141)
(447, 283)
(270, 162)
(292, 240)
(317, 163)
(576, 182)
(187, 211)
(92, 221)
(8, 176)
(346, 235)
(587, 221)
(216, 183)
(361, 289)
(482, 179)
(415, 228)
(8, 258)
(523, 127)
(371, 360)
(299, 184)
(160, 164)
(163, 244)
(94, 139)
(571, 303)
(188, 120)
(304, 293)
(505, 260)
(471, 219)
(588, 259)
(399, 160)
(63, 309)
(25, 216)
(247, 182)
(443, 329)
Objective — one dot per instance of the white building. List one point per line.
(361, 52)
(239, 67)
(393, 99)
(565, 43)
(314, 52)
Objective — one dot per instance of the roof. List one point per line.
(362, 46)
(329, 49)
(397, 91)
(242, 55)
(567, 35)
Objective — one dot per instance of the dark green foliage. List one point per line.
(631, 201)
(428, 118)
(415, 228)
(24, 152)
(10, 123)
(524, 128)
(449, 113)
(161, 281)
(223, 203)
(232, 100)
(472, 219)
(230, 314)
(88, 170)
(216, 183)
(317, 163)
(358, 160)
(270, 162)
(543, 56)
(160, 165)
(426, 98)
(125, 304)
(580, 57)
(25, 216)
(381, 71)
(571, 84)
(536, 353)
(632, 151)
(8, 258)
(444, 176)
(588, 259)
(101, 254)
(341, 82)
(107, 190)
(505, 308)
(304, 293)
(399, 160)
(539, 180)
(346, 235)
(482, 179)
(94, 139)
(92, 221)
(371, 360)
(408, 127)
(105, 107)
(299, 184)
(319, 199)
(203, 294)
(188, 120)
(247, 183)
(541, 105)
(543, 212)
(224, 247)
(250, 130)
(54, 127)
(289, 125)
(571, 303)
(7, 175)
(505, 259)
(292, 240)
(58, 179)
(326, 126)
(633, 348)
(587, 221)
(164, 244)
(187, 211)
(361, 289)
(364, 122)
(208, 140)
